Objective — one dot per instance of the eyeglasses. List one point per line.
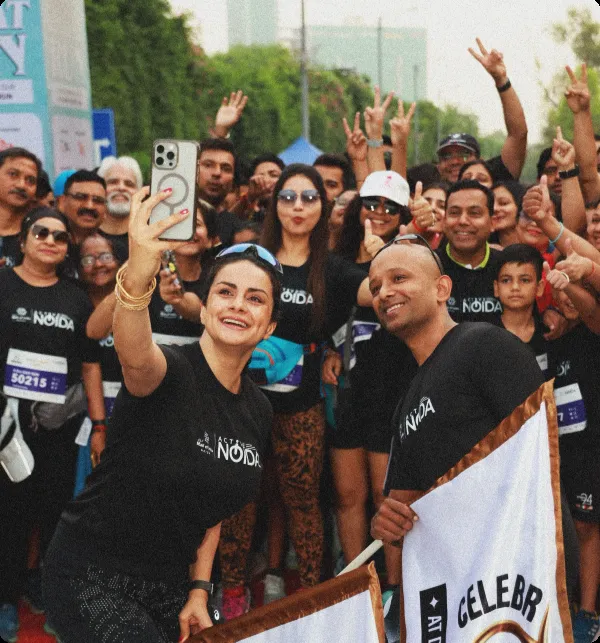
(253, 250)
(41, 233)
(413, 238)
(447, 156)
(289, 197)
(389, 207)
(81, 197)
(104, 258)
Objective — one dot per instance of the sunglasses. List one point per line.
(81, 197)
(389, 207)
(104, 258)
(463, 156)
(413, 238)
(289, 197)
(254, 250)
(41, 233)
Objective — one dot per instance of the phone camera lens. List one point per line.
(160, 160)
(170, 155)
(160, 149)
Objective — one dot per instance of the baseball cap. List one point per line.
(463, 140)
(390, 185)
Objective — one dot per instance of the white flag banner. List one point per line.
(485, 560)
(346, 608)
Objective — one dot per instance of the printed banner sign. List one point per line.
(485, 561)
(347, 608)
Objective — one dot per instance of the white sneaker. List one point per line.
(274, 588)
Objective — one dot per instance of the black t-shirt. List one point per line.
(10, 249)
(112, 374)
(120, 244)
(499, 170)
(576, 356)
(477, 375)
(538, 344)
(168, 326)
(342, 281)
(472, 297)
(176, 463)
(227, 225)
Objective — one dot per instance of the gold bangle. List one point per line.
(129, 302)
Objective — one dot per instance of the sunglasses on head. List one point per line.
(413, 238)
(254, 250)
(371, 203)
(104, 258)
(289, 197)
(41, 232)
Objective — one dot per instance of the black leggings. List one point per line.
(86, 602)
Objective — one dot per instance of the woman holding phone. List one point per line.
(132, 555)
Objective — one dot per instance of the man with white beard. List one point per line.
(123, 178)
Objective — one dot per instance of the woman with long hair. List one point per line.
(132, 555)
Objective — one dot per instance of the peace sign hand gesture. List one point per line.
(578, 94)
(356, 141)
(400, 124)
(492, 62)
(374, 116)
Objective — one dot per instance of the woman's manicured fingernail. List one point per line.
(168, 190)
(184, 211)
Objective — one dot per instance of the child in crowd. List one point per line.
(517, 285)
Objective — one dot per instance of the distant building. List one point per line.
(403, 55)
(252, 22)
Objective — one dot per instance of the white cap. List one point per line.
(390, 185)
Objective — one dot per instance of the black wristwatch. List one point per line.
(569, 174)
(202, 584)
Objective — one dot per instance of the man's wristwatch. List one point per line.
(569, 174)
(202, 584)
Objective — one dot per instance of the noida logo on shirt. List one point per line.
(481, 305)
(43, 318)
(414, 418)
(291, 296)
(229, 449)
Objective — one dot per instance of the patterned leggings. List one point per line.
(298, 445)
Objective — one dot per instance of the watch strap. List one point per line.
(202, 584)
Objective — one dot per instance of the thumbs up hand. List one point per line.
(372, 242)
(575, 266)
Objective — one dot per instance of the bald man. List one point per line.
(470, 377)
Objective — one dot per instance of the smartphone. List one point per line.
(175, 165)
(169, 263)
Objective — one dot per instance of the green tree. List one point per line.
(582, 33)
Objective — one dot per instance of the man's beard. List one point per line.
(120, 209)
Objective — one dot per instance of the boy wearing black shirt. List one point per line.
(518, 283)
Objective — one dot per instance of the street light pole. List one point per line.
(304, 80)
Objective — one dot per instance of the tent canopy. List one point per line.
(300, 151)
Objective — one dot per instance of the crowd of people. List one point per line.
(244, 409)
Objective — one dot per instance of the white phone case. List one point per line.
(179, 174)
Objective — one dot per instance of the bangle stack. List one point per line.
(129, 302)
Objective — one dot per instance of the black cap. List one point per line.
(463, 140)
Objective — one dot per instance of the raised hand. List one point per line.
(574, 266)
(374, 116)
(492, 62)
(356, 141)
(372, 242)
(558, 279)
(421, 210)
(400, 124)
(536, 202)
(230, 111)
(578, 94)
(563, 153)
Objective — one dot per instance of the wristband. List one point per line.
(207, 586)
(99, 426)
(505, 87)
(417, 227)
(569, 174)
(375, 142)
(559, 235)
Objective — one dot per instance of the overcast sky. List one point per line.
(518, 28)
